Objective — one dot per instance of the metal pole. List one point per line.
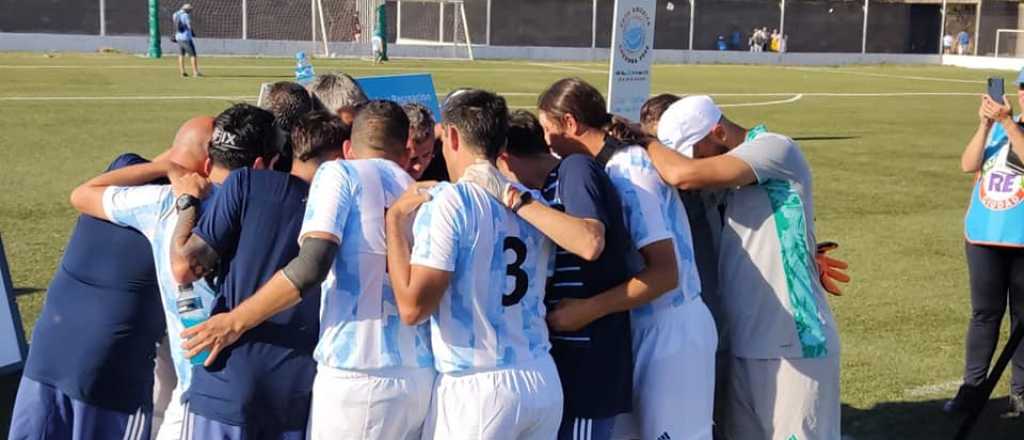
(977, 27)
(593, 25)
(398, 22)
(245, 19)
(323, 26)
(312, 24)
(864, 31)
(465, 30)
(782, 20)
(942, 29)
(103, 18)
(692, 15)
(488, 22)
(440, 23)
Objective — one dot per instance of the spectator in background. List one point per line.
(994, 255)
(185, 37)
(775, 42)
(753, 40)
(963, 42)
(736, 40)
(722, 44)
(783, 42)
(947, 44)
(765, 39)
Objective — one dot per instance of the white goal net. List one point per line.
(433, 23)
(1009, 43)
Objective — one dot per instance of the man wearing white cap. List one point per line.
(784, 378)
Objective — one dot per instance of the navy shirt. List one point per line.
(96, 336)
(595, 364)
(266, 378)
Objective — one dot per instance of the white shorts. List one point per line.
(389, 404)
(165, 382)
(783, 398)
(524, 402)
(673, 377)
(174, 416)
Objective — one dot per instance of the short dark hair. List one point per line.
(654, 107)
(481, 117)
(381, 125)
(317, 133)
(241, 134)
(337, 92)
(525, 135)
(421, 122)
(288, 101)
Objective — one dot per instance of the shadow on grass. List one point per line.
(925, 420)
(824, 138)
(23, 291)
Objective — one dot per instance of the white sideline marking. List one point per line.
(286, 68)
(933, 389)
(755, 104)
(567, 67)
(793, 97)
(883, 75)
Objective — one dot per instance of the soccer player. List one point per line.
(594, 360)
(185, 37)
(375, 375)
(674, 336)
(338, 93)
(261, 386)
(287, 101)
(151, 210)
(784, 375)
(89, 372)
(477, 272)
(421, 138)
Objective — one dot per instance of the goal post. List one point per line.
(433, 23)
(1009, 43)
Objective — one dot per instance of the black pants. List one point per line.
(997, 275)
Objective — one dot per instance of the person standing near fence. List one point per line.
(963, 40)
(995, 248)
(185, 37)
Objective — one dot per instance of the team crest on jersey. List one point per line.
(633, 46)
(1000, 188)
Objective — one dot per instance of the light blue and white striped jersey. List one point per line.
(359, 324)
(182, 25)
(492, 315)
(150, 210)
(654, 212)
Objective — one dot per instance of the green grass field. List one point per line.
(884, 143)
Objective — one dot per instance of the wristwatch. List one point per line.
(185, 201)
(524, 197)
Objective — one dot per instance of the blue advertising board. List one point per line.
(417, 87)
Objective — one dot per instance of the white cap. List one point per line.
(186, 7)
(687, 121)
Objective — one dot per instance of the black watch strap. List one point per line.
(524, 198)
(186, 201)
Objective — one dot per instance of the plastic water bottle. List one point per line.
(303, 69)
(190, 310)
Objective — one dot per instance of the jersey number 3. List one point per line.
(515, 270)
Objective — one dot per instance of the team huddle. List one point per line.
(360, 272)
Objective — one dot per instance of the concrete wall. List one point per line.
(893, 27)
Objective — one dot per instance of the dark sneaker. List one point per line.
(967, 399)
(1016, 409)
(184, 75)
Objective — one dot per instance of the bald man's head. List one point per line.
(189, 149)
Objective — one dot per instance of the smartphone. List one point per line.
(996, 89)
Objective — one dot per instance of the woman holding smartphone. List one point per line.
(994, 230)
